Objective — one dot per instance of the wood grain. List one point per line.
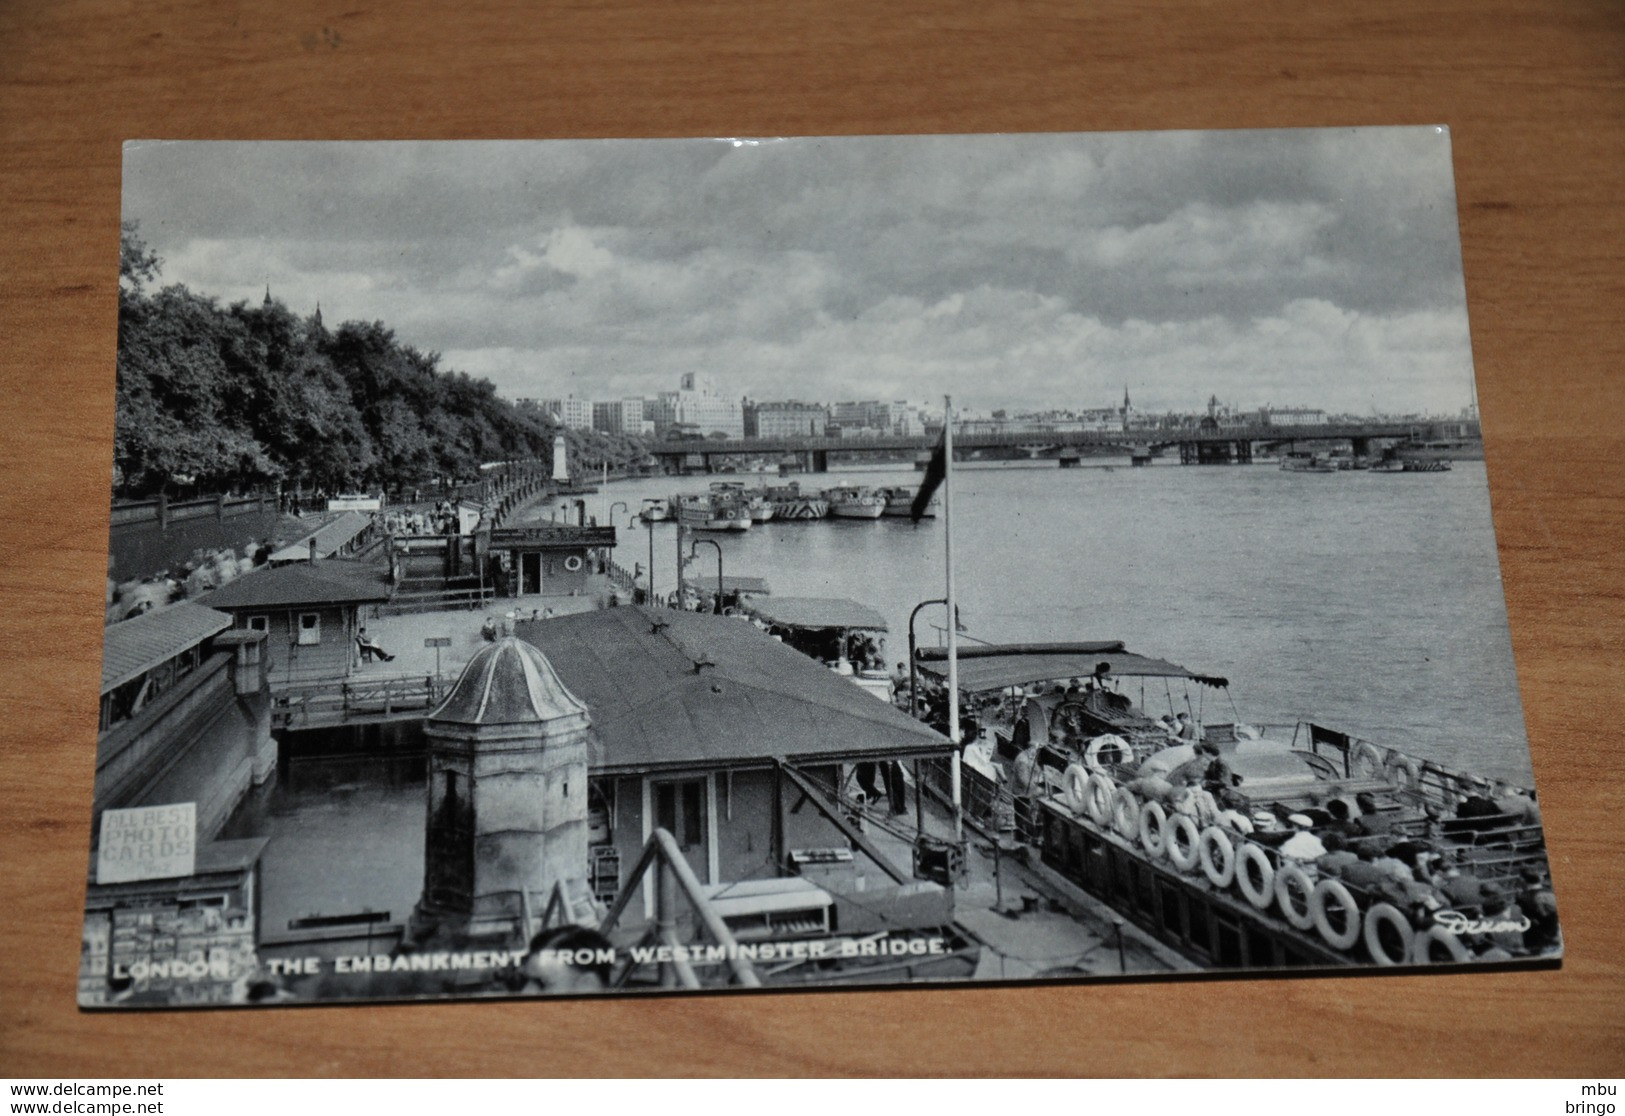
(1535, 98)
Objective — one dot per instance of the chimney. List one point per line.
(313, 551)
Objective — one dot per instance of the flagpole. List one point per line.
(953, 613)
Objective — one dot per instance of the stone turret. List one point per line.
(507, 795)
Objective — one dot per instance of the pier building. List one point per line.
(309, 613)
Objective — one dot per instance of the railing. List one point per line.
(674, 880)
(296, 704)
(160, 509)
(434, 600)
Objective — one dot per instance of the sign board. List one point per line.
(355, 503)
(437, 641)
(147, 843)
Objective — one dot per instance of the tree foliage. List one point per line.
(240, 397)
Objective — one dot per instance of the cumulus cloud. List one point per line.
(1318, 267)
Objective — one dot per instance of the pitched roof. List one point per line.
(142, 642)
(328, 538)
(816, 612)
(670, 689)
(302, 583)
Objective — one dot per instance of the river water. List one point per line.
(1367, 602)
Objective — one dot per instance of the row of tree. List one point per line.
(239, 397)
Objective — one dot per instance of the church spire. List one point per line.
(267, 301)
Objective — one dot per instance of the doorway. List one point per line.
(530, 573)
(680, 808)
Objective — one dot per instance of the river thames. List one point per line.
(1367, 602)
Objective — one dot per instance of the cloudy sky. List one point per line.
(1316, 267)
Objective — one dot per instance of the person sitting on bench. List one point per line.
(370, 650)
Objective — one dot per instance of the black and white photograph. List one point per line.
(606, 566)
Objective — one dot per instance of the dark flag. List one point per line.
(935, 473)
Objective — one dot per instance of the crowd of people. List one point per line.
(203, 571)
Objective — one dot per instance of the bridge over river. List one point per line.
(1197, 445)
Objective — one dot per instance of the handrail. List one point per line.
(662, 847)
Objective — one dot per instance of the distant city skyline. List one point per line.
(1312, 268)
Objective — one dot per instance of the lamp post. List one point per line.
(694, 546)
(650, 524)
(913, 678)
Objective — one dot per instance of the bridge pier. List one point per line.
(819, 461)
(1069, 461)
(1239, 452)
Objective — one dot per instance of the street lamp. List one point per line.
(912, 676)
(693, 546)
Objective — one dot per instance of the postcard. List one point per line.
(652, 565)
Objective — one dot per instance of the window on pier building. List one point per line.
(310, 628)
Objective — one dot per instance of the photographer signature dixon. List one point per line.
(1454, 922)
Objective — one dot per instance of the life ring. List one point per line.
(1398, 763)
(1365, 754)
(1091, 754)
(573, 563)
(1422, 946)
(1188, 855)
(1075, 788)
(1152, 818)
(1388, 913)
(1288, 877)
(1102, 792)
(1330, 889)
(1217, 854)
(1262, 893)
(1126, 814)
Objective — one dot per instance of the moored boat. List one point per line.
(1411, 465)
(1298, 462)
(790, 503)
(853, 501)
(1245, 846)
(655, 510)
(707, 512)
(844, 635)
(900, 501)
(757, 504)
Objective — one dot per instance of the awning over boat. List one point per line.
(995, 667)
(818, 612)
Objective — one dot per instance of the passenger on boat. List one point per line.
(1197, 802)
(1516, 803)
(1167, 723)
(1187, 728)
(1539, 906)
(1101, 679)
(1337, 855)
(1302, 845)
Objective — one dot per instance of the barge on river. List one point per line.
(1244, 846)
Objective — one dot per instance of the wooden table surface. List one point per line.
(1535, 96)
